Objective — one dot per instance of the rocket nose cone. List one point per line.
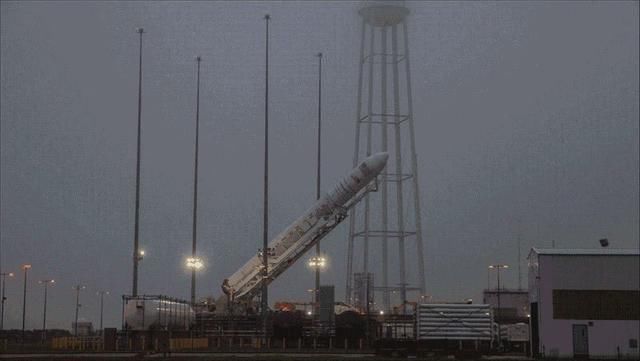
(378, 161)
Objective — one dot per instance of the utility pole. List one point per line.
(136, 243)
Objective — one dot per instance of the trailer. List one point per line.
(462, 329)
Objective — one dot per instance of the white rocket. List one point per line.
(303, 234)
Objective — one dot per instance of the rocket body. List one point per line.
(302, 234)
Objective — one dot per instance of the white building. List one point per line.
(585, 302)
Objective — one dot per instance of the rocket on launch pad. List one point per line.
(306, 231)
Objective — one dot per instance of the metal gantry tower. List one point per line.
(384, 122)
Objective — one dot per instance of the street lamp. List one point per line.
(101, 293)
(45, 284)
(497, 267)
(25, 268)
(78, 288)
(4, 281)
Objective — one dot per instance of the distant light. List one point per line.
(381, 312)
(26, 266)
(11, 274)
(498, 266)
(528, 315)
(317, 262)
(194, 263)
(141, 252)
(309, 313)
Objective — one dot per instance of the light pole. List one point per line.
(26, 268)
(195, 264)
(264, 300)
(45, 284)
(136, 252)
(77, 288)
(101, 293)
(4, 298)
(497, 267)
(317, 263)
(195, 185)
(317, 288)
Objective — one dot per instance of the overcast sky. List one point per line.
(526, 123)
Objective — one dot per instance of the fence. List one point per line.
(78, 343)
(177, 344)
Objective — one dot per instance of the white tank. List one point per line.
(157, 313)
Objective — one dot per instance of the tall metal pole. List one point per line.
(75, 324)
(265, 227)
(136, 254)
(195, 185)
(414, 167)
(317, 288)
(44, 315)
(45, 283)
(519, 270)
(26, 268)
(384, 186)
(102, 293)
(499, 313)
(4, 298)
(101, 309)
(348, 297)
(3, 275)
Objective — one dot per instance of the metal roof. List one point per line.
(586, 251)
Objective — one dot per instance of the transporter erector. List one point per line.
(304, 232)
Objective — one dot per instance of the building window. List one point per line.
(596, 304)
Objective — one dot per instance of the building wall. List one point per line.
(578, 272)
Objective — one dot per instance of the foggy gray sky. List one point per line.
(526, 117)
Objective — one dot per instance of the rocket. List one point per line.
(306, 231)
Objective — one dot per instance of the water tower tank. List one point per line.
(383, 13)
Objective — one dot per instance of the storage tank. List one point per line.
(156, 312)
